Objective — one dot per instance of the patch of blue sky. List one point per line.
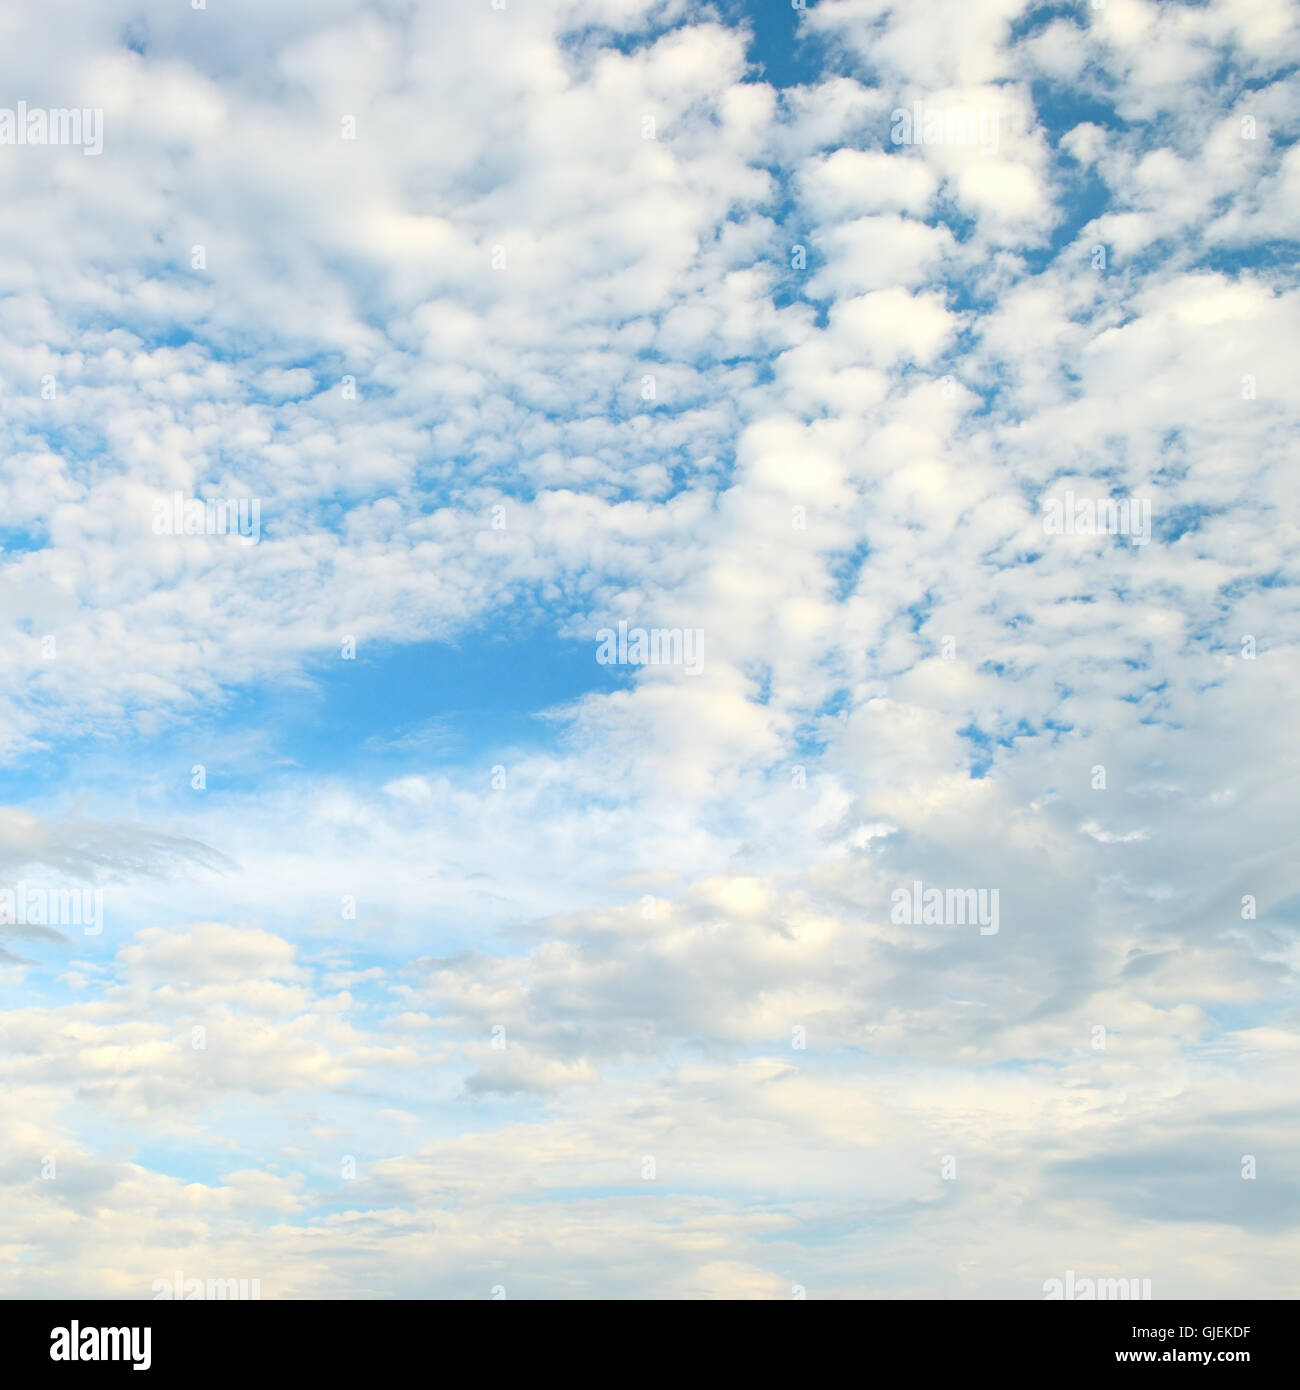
(783, 52)
(919, 613)
(394, 709)
(432, 702)
(1137, 696)
(809, 738)
(982, 756)
(15, 540)
(135, 37)
(81, 446)
(1082, 198)
(1247, 584)
(847, 569)
(47, 958)
(1171, 526)
(151, 331)
(1276, 256)
(986, 744)
(947, 211)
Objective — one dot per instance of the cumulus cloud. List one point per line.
(422, 970)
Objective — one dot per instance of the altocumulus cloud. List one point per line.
(437, 953)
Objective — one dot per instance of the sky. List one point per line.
(737, 736)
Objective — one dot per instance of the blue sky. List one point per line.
(437, 953)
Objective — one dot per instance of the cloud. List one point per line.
(587, 980)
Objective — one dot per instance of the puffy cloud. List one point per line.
(593, 980)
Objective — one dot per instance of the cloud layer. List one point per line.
(438, 956)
